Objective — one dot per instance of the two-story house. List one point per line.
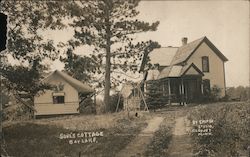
(188, 72)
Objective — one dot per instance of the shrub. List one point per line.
(87, 107)
(114, 99)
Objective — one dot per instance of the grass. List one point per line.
(230, 132)
(40, 138)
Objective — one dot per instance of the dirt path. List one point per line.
(137, 146)
(180, 145)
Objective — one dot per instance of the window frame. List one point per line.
(56, 98)
(205, 63)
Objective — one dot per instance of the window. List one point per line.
(58, 98)
(205, 64)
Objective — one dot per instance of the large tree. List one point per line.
(26, 45)
(109, 26)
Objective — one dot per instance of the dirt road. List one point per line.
(137, 146)
(180, 145)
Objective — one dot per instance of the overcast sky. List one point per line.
(225, 23)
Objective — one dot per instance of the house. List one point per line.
(63, 98)
(185, 74)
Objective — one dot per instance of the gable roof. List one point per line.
(177, 71)
(163, 56)
(167, 56)
(185, 52)
(78, 85)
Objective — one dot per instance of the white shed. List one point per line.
(64, 98)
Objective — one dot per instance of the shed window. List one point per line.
(58, 98)
(205, 64)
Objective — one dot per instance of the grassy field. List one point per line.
(230, 132)
(40, 138)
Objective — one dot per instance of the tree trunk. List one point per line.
(108, 63)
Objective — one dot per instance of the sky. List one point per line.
(224, 23)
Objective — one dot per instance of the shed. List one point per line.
(63, 98)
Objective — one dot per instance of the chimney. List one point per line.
(184, 41)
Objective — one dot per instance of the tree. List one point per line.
(109, 26)
(26, 22)
(80, 67)
(106, 25)
(26, 45)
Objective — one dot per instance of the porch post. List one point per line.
(183, 92)
(169, 92)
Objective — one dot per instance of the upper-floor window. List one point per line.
(205, 64)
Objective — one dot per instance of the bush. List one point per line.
(87, 107)
(213, 95)
(114, 99)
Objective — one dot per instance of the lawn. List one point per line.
(40, 138)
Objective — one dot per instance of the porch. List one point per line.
(176, 90)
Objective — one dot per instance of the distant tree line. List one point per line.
(239, 93)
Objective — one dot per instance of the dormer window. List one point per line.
(205, 64)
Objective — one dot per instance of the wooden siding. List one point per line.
(50, 109)
(216, 71)
(44, 102)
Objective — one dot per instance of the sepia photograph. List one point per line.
(125, 78)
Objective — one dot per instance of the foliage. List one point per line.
(114, 100)
(108, 26)
(213, 95)
(82, 68)
(26, 45)
(154, 95)
(238, 93)
(26, 21)
(87, 106)
(160, 142)
(23, 79)
(230, 132)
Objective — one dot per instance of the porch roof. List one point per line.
(178, 71)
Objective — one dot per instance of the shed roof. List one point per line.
(78, 85)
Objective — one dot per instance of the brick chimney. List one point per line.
(184, 41)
